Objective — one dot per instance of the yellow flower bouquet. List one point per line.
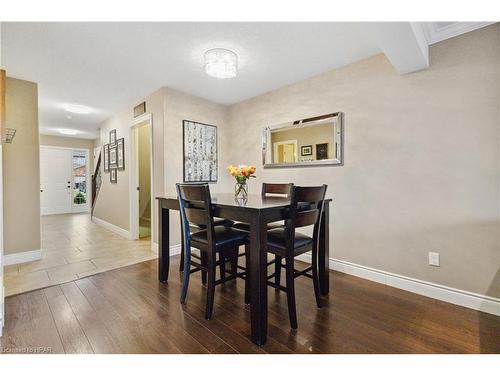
(242, 173)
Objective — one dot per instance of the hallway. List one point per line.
(73, 247)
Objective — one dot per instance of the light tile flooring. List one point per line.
(73, 247)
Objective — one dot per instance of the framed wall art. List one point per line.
(200, 152)
(113, 159)
(306, 150)
(112, 137)
(113, 176)
(105, 157)
(120, 148)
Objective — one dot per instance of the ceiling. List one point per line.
(111, 66)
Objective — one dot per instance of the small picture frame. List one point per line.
(322, 151)
(113, 176)
(120, 145)
(306, 150)
(112, 137)
(105, 160)
(113, 157)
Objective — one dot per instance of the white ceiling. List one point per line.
(111, 66)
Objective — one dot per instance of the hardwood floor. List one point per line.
(126, 310)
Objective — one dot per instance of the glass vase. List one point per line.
(241, 190)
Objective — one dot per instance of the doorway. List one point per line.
(142, 150)
(63, 180)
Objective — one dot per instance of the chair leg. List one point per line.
(277, 270)
(234, 261)
(315, 278)
(185, 276)
(181, 264)
(247, 276)
(290, 292)
(203, 256)
(210, 286)
(222, 266)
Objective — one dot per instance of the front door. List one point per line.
(55, 181)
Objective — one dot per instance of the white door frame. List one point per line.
(87, 179)
(134, 178)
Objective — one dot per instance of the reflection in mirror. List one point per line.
(313, 141)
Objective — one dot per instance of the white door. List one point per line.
(55, 181)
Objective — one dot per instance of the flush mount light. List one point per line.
(76, 108)
(221, 63)
(68, 131)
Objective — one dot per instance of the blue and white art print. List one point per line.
(200, 152)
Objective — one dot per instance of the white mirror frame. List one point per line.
(267, 148)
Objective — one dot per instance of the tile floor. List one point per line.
(73, 247)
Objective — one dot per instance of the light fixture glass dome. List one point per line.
(221, 63)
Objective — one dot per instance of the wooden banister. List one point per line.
(96, 182)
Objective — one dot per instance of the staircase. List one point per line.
(96, 183)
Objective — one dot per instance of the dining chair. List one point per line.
(218, 222)
(269, 191)
(306, 209)
(196, 209)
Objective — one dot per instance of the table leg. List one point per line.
(324, 251)
(258, 279)
(163, 243)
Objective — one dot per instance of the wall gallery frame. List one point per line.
(120, 146)
(306, 150)
(112, 137)
(105, 153)
(113, 157)
(113, 176)
(200, 152)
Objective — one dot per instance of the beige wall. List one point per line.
(69, 142)
(21, 169)
(421, 166)
(112, 204)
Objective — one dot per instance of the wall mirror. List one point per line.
(308, 142)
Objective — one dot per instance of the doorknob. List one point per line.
(41, 191)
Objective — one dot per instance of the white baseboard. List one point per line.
(113, 228)
(174, 249)
(23, 257)
(444, 293)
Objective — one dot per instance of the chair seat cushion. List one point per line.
(246, 226)
(223, 236)
(218, 222)
(276, 238)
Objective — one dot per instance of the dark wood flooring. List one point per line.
(127, 311)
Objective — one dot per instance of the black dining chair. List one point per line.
(269, 191)
(196, 208)
(306, 209)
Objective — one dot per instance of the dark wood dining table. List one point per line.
(258, 211)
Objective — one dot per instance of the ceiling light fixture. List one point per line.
(221, 63)
(68, 131)
(76, 108)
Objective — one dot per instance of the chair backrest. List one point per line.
(276, 189)
(195, 207)
(306, 208)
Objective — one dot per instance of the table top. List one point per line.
(254, 201)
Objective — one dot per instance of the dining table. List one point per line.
(257, 211)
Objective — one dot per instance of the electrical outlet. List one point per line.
(433, 259)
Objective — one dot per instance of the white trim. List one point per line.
(133, 172)
(444, 293)
(174, 249)
(22, 257)
(435, 35)
(113, 228)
